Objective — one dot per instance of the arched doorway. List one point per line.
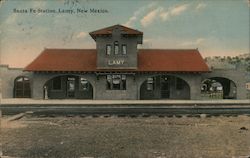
(68, 87)
(22, 87)
(218, 88)
(164, 87)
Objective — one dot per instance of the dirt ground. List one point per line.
(126, 137)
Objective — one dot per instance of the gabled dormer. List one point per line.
(117, 47)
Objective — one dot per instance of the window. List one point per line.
(116, 47)
(124, 82)
(57, 83)
(116, 82)
(179, 83)
(150, 84)
(22, 87)
(84, 84)
(109, 81)
(108, 49)
(124, 49)
(71, 84)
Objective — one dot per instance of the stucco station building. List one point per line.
(117, 69)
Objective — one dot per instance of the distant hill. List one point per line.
(228, 62)
(244, 55)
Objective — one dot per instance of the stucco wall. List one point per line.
(238, 76)
(134, 82)
(8, 76)
(130, 59)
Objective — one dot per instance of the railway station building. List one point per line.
(117, 69)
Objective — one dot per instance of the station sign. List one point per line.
(116, 62)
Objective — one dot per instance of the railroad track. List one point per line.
(128, 110)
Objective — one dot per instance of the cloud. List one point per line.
(163, 13)
(200, 6)
(178, 9)
(149, 13)
(130, 21)
(151, 16)
(139, 13)
(81, 35)
(165, 16)
(196, 42)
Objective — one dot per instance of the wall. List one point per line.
(238, 76)
(8, 76)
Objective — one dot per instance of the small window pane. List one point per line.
(116, 45)
(108, 49)
(25, 79)
(19, 85)
(124, 49)
(150, 84)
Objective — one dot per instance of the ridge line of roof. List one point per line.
(70, 49)
(168, 49)
(114, 26)
(130, 28)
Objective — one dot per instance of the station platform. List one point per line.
(124, 107)
(17, 101)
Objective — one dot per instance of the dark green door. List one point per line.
(165, 87)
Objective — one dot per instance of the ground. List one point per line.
(126, 137)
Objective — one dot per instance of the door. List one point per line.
(165, 87)
(71, 87)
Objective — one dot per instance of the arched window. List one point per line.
(22, 87)
(116, 47)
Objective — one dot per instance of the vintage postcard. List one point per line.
(116, 78)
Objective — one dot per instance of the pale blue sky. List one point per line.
(215, 27)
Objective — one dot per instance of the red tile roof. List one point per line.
(108, 31)
(172, 60)
(64, 60)
(84, 60)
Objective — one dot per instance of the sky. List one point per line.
(215, 27)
